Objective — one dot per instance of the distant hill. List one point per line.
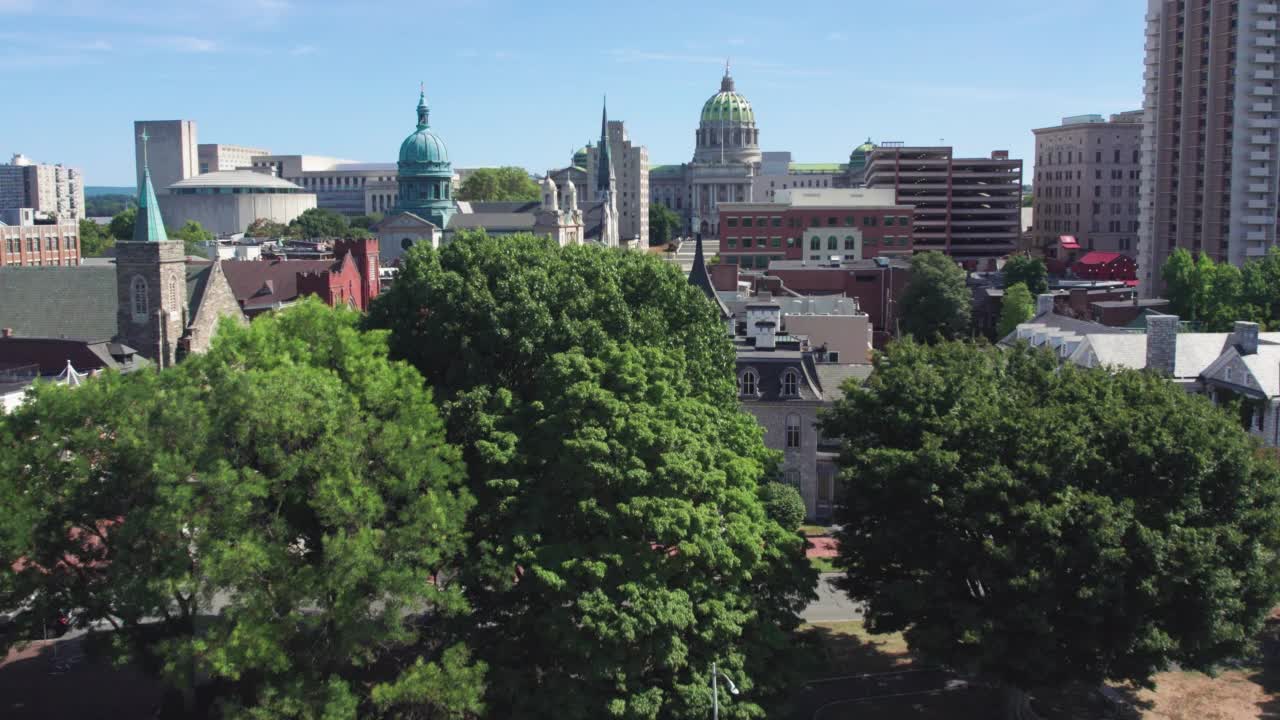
(96, 190)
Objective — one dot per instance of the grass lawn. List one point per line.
(1232, 695)
(846, 648)
(815, 530)
(823, 565)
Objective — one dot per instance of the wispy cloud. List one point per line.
(183, 43)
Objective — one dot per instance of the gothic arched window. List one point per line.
(138, 298)
(793, 431)
(747, 383)
(173, 293)
(790, 383)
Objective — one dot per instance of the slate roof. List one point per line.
(260, 284)
(59, 302)
(52, 354)
(493, 221)
(817, 382)
(833, 376)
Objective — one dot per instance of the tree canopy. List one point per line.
(291, 489)
(664, 224)
(1016, 307)
(122, 224)
(108, 205)
(501, 184)
(1042, 525)
(264, 228)
(936, 302)
(94, 239)
(1215, 295)
(323, 223)
(1029, 271)
(620, 544)
(193, 236)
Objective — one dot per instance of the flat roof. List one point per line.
(235, 178)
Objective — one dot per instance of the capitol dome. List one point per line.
(423, 152)
(727, 130)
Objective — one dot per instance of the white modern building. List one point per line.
(227, 202)
(345, 186)
(53, 191)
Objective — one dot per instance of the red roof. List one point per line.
(1068, 242)
(259, 284)
(1097, 257)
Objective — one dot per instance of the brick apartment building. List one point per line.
(813, 225)
(23, 243)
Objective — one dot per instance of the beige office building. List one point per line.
(215, 157)
(631, 169)
(171, 150)
(968, 208)
(1210, 132)
(52, 191)
(1086, 183)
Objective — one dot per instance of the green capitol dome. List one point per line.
(423, 152)
(728, 105)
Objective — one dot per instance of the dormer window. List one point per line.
(747, 383)
(790, 383)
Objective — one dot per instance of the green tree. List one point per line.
(193, 236)
(1042, 525)
(294, 476)
(366, 222)
(1028, 200)
(264, 228)
(783, 503)
(664, 223)
(122, 224)
(94, 240)
(1029, 271)
(619, 543)
(502, 184)
(108, 205)
(1016, 307)
(323, 223)
(936, 302)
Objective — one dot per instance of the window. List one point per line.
(138, 299)
(849, 243)
(792, 478)
(832, 221)
(746, 222)
(791, 242)
(815, 243)
(848, 220)
(832, 243)
(869, 221)
(173, 293)
(731, 242)
(903, 220)
(747, 383)
(790, 383)
(793, 431)
(813, 222)
(731, 222)
(775, 242)
(775, 222)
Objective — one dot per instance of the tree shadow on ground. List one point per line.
(844, 648)
(41, 683)
(1079, 702)
(1267, 675)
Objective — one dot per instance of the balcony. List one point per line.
(1259, 172)
(1265, 25)
(1264, 123)
(1258, 205)
(1260, 139)
(1268, 9)
(1260, 155)
(1264, 75)
(1263, 90)
(1255, 235)
(1264, 57)
(1264, 41)
(1262, 107)
(1258, 250)
(1259, 220)
(1259, 188)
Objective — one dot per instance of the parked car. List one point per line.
(24, 621)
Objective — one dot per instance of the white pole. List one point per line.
(715, 693)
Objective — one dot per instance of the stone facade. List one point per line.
(151, 292)
(1162, 343)
(216, 303)
(799, 466)
(631, 169)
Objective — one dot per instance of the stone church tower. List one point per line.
(151, 282)
(607, 187)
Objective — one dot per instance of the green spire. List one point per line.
(604, 173)
(148, 226)
(422, 106)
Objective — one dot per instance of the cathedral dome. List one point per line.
(423, 151)
(728, 105)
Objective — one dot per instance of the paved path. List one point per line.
(839, 697)
(832, 605)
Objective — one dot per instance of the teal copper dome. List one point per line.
(423, 152)
(728, 105)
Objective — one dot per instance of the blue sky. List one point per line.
(520, 82)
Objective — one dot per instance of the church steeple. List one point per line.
(423, 111)
(148, 225)
(605, 177)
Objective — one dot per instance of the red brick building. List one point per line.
(815, 225)
(27, 244)
(351, 278)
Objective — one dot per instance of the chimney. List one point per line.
(1044, 304)
(1244, 335)
(1162, 343)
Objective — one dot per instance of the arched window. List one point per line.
(138, 298)
(849, 243)
(790, 383)
(793, 431)
(747, 383)
(173, 293)
(815, 243)
(832, 243)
